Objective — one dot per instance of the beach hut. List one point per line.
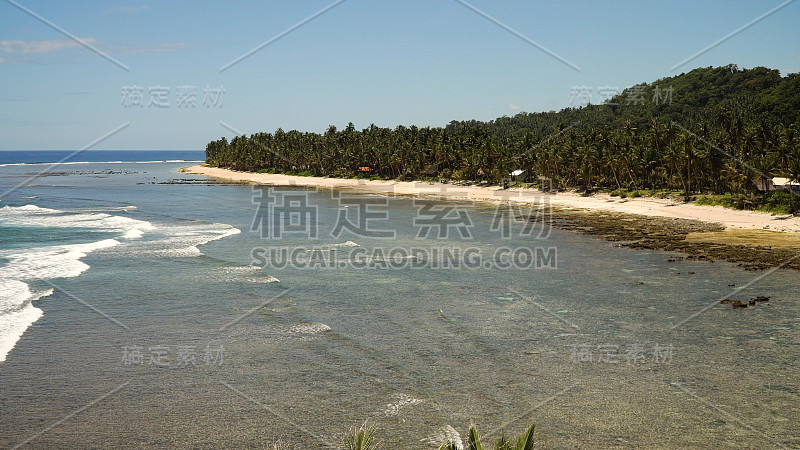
(765, 184)
(518, 175)
(430, 170)
(785, 184)
(546, 184)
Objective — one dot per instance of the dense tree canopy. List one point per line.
(712, 130)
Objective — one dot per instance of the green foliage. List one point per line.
(299, 173)
(474, 441)
(781, 202)
(448, 445)
(362, 438)
(523, 441)
(642, 140)
(776, 202)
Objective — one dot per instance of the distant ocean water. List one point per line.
(93, 156)
(128, 293)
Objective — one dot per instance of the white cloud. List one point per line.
(32, 47)
(41, 46)
(514, 107)
(128, 9)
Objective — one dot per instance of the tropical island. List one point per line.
(719, 134)
(650, 163)
(434, 225)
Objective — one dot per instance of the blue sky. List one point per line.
(366, 61)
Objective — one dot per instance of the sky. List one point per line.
(174, 74)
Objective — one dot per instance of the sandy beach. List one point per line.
(646, 206)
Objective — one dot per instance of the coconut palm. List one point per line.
(362, 438)
(522, 442)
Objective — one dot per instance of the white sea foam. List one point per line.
(133, 234)
(247, 274)
(16, 310)
(108, 209)
(343, 244)
(32, 215)
(182, 241)
(13, 294)
(62, 261)
(346, 244)
(59, 261)
(403, 400)
(171, 240)
(17, 313)
(302, 331)
(13, 325)
(309, 328)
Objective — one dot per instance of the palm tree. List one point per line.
(362, 438)
(524, 441)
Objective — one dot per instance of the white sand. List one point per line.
(730, 218)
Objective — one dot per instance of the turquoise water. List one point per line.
(146, 320)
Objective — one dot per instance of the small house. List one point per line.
(765, 184)
(430, 170)
(785, 184)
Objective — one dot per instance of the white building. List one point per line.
(785, 183)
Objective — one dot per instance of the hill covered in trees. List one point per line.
(712, 131)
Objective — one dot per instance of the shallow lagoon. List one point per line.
(228, 356)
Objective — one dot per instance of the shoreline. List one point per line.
(731, 219)
(753, 240)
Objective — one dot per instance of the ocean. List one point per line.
(141, 306)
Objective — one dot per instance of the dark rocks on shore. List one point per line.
(741, 304)
(667, 234)
(734, 303)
